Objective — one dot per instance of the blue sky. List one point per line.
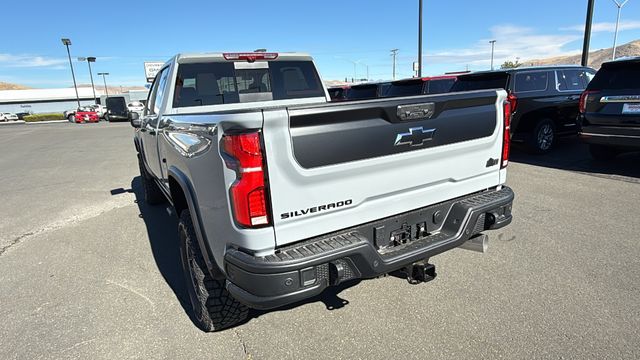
(124, 34)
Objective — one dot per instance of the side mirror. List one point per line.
(134, 118)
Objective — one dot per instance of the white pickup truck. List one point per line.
(280, 193)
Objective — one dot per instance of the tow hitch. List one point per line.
(420, 272)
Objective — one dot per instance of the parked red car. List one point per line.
(84, 114)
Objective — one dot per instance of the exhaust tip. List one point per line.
(478, 243)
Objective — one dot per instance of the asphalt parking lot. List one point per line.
(88, 271)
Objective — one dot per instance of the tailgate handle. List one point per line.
(415, 111)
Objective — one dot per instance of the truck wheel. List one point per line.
(542, 137)
(152, 193)
(602, 153)
(213, 306)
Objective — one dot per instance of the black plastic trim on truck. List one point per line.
(344, 132)
(192, 203)
(304, 269)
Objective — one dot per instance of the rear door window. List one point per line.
(572, 80)
(215, 83)
(531, 81)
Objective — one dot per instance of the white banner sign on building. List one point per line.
(151, 69)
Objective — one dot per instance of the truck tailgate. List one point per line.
(333, 166)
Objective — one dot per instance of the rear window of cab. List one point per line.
(214, 83)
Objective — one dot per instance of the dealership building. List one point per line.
(58, 100)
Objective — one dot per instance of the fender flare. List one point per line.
(192, 203)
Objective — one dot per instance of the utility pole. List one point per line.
(394, 52)
(493, 44)
(67, 42)
(615, 35)
(420, 38)
(587, 33)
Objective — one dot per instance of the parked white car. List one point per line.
(5, 116)
(135, 106)
(100, 110)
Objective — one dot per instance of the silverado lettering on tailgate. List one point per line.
(315, 209)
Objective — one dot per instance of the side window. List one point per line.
(572, 80)
(531, 81)
(162, 84)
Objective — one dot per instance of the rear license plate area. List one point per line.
(628, 108)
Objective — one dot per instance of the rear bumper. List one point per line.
(305, 269)
(620, 137)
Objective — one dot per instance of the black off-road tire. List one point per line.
(213, 306)
(542, 137)
(602, 153)
(152, 193)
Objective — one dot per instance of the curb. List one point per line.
(7, 123)
(46, 122)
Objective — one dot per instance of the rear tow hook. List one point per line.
(420, 272)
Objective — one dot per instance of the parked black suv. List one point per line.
(544, 100)
(610, 110)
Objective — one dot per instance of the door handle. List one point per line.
(573, 97)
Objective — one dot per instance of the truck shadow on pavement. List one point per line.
(571, 154)
(162, 230)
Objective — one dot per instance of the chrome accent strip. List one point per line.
(611, 136)
(620, 99)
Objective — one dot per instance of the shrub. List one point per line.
(44, 117)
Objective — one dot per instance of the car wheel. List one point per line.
(213, 306)
(106, 118)
(72, 118)
(542, 137)
(602, 153)
(152, 193)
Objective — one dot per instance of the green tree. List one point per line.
(510, 64)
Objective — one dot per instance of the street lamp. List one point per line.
(493, 44)
(615, 35)
(67, 42)
(89, 60)
(105, 82)
(419, 39)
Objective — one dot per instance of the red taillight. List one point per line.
(513, 99)
(506, 133)
(248, 192)
(582, 105)
(250, 57)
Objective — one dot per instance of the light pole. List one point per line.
(419, 38)
(105, 82)
(493, 44)
(67, 42)
(89, 60)
(615, 35)
(355, 64)
(587, 33)
(394, 52)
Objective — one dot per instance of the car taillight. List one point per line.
(513, 99)
(506, 133)
(250, 57)
(249, 191)
(582, 105)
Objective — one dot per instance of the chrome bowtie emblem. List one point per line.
(416, 136)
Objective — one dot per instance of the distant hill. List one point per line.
(9, 86)
(596, 58)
